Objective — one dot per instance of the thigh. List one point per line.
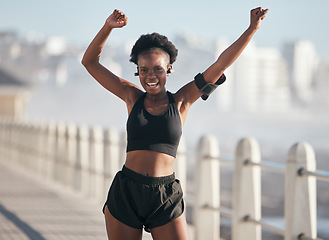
(174, 230)
(117, 230)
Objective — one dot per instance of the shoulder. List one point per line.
(187, 95)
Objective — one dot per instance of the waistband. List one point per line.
(140, 178)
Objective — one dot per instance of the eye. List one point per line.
(159, 69)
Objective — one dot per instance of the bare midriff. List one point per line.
(150, 163)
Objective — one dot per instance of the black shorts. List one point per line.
(142, 201)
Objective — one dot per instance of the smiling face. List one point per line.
(153, 66)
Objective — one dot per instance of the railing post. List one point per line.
(8, 140)
(30, 147)
(2, 139)
(60, 153)
(207, 187)
(38, 149)
(82, 166)
(71, 153)
(14, 139)
(65, 159)
(20, 144)
(180, 165)
(96, 161)
(300, 193)
(24, 156)
(111, 157)
(43, 150)
(246, 191)
(50, 151)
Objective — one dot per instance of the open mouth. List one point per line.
(152, 85)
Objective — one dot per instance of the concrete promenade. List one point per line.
(33, 210)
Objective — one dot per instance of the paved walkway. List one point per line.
(31, 210)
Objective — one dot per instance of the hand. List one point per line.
(256, 15)
(117, 19)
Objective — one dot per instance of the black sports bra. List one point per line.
(160, 133)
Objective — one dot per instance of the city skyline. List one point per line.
(265, 68)
(67, 93)
(78, 22)
(259, 81)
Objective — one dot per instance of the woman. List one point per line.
(145, 192)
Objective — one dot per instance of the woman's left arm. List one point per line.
(189, 93)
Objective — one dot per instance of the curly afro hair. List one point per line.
(154, 40)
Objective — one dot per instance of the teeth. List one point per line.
(152, 84)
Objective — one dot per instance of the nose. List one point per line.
(151, 73)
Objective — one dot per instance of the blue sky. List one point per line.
(78, 20)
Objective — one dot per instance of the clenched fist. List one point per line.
(117, 19)
(256, 15)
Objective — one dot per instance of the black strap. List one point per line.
(205, 87)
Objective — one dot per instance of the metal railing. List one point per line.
(320, 175)
(47, 151)
(270, 167)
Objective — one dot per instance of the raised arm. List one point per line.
(188, 94)
(91, 59)
(227, 57)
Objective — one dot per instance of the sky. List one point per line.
(78, 20)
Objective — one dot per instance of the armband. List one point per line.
(205, 87)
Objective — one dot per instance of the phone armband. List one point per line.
(205, 87)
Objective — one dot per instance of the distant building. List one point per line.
(38, 60)
(13, 96)
(321, 87)
(257, 83)
(262, 80)
(302, 63)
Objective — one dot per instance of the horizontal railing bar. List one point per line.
(207, 157)
(321, 175)
(225, 212)
(265, 225)
(226, 159)
(303, 237)
(270, 166)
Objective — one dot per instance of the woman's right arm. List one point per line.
(105, 77)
